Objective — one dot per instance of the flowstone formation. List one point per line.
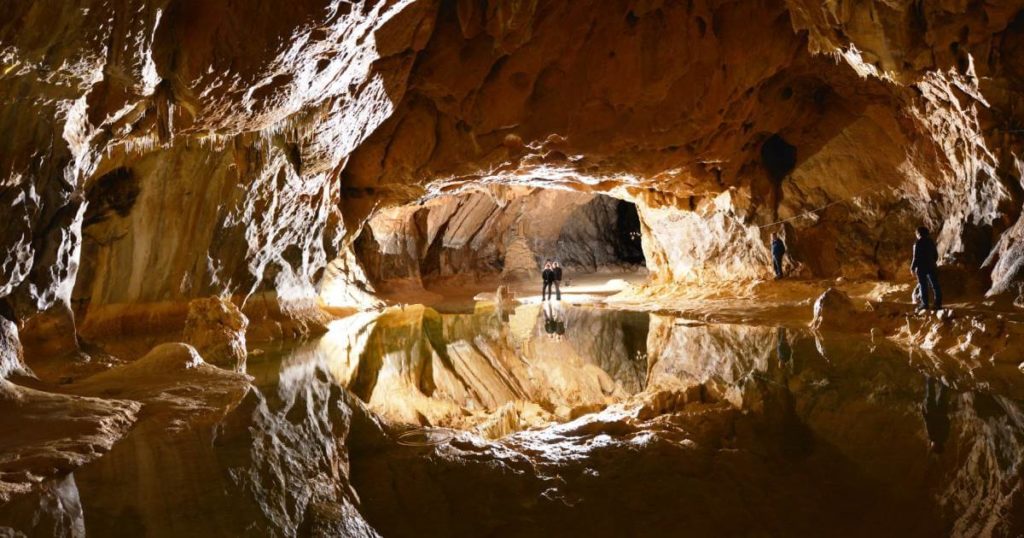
(188, 188)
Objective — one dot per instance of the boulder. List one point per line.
(216, 328)
(47, 436)
(835, 311)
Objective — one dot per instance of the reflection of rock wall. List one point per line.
(843, 398)
(725, 356)
(286, 452)
(615, 341)
(984, 479)
(420, 367)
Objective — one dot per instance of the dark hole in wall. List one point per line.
(628, 247)
(113, 193)
(778, 157)
(7, 311)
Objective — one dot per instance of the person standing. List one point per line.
(556, 273)
(548, 275)
(778, 251)
(925, 266)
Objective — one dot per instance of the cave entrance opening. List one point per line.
(483, 238)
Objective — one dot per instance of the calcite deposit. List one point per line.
(205, 207)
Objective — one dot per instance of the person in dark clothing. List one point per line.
(778, 251)
(924, 265)
(548, 275)
(556, 270)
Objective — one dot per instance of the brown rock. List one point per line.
(216, 328)
(513, 142)
(971, 338)
(48, 435)
(12, 357)
(835, 311)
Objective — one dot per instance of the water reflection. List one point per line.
(831, 427)
(554, 323)
(418, 366)
(936, 412)
(785, 352)
(848, 406)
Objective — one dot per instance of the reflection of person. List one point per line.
(785, 352)
(936, 413)
(503, 312)
(503, 303)
(554, 325)
(549, 321)
(556, 273)
(548, 275)
(924, 265)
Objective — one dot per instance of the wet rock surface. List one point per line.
(49, 435)
(697, 425)
(296, 158)
(216, 328)
(768, 414)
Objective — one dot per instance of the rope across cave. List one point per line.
(817, 209)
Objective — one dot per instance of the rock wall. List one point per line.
(844, 126)
(185, 162)
(158, 151)
(510, 231)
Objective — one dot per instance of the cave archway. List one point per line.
(629, 245)
(501, 234)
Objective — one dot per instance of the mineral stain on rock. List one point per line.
(245, 250)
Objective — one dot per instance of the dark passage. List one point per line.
(628, 246)
(778, 157)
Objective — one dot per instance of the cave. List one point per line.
(280, 269)
(468, 243)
